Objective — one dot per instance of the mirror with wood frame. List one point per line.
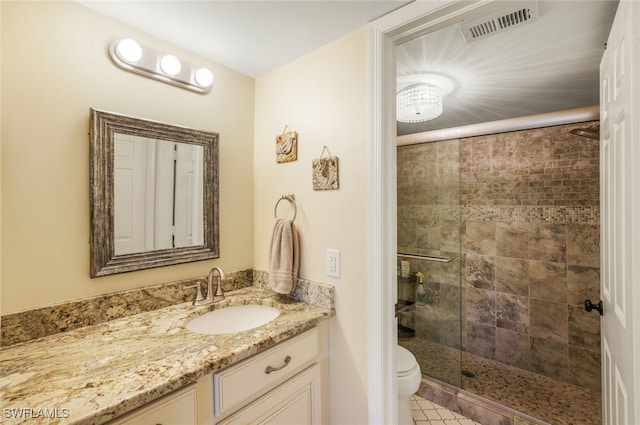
(153, 194)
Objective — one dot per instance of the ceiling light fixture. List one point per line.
(419, 96)
(418, 103)
(130, 56)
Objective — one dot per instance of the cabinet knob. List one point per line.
(284, 364)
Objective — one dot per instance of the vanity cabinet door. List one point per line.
(177, 408)
(295, 402)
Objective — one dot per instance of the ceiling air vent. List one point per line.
(518, 14)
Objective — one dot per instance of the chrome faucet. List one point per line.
(219, 295)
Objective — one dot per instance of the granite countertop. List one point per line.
(97, 373)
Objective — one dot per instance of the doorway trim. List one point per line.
(404, 24)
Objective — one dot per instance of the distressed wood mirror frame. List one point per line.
(103, 128)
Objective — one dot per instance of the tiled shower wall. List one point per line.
(529, 220)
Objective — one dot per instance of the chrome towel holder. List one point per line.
(291, 198)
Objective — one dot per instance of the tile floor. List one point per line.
(538, 396)
(541, 397)
(427, 413)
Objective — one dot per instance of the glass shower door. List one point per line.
(429, 243)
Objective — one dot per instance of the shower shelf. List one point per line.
(404, 306)
(436, 258)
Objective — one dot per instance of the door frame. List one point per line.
(385, 34)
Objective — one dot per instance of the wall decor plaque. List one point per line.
(325, 171)
(287, 145)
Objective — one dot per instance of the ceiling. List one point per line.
(543, 66)
(252, 37)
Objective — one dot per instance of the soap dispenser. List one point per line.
(420, 293)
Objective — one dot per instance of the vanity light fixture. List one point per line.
(130, 56)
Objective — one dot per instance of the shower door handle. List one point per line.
(588, 305)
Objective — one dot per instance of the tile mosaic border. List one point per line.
(518, 213)
(421, 211)
(533, 214)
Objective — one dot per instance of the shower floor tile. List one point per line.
(552, 401)
(537, 396)
(426, 412)
(435, 360)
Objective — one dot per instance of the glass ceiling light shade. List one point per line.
(170, 65)
(129, 50)
(418, 103)
(130, 56)
(204, 77)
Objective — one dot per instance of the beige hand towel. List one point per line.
(284, 257)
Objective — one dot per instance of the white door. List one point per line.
(620, 208)
(160, 228)
(130, 164)
(188, 195)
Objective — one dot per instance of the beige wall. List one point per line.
(324, 97)
(0, 161)
(54, 67)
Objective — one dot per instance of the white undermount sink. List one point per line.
(233, 319)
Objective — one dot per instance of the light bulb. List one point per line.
(204, 77)
(129, 50)
(170, 65)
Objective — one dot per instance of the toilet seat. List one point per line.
(406, 363)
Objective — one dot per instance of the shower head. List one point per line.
(592, 132)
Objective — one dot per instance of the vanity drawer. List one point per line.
(177, 408)
(239, 384)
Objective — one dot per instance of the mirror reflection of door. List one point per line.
(188, 195)
(158, 194)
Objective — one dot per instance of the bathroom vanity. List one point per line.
(148, 368)
(283, 384)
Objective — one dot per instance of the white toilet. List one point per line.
(409, 377)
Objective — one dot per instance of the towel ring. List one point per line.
(291, 198)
